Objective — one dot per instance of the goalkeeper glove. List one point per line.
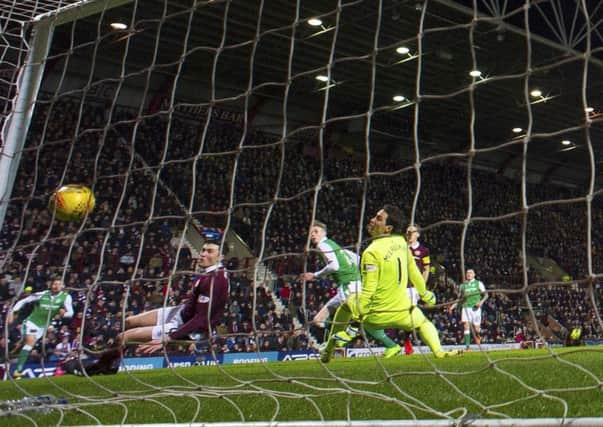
(428, 298)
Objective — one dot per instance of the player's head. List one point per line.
(412, 233)
(387, 221)
(470, 274)
(56, 286)
(318, 232)
(210, 253)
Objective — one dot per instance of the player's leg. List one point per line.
(147, 318)
(31, 334)
(391, 348)
(29, 341)
(339, 298)
(413, 318)
(466, 321)
(157, 323)
(349, 291)
(477, 321)
(337, 332)
(140, 335)
(108, 362)
(413, 294)
(321, 317)
(342, 318)
(478, 337)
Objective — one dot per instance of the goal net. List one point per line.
(247, 121)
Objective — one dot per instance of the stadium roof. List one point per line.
(516, 48)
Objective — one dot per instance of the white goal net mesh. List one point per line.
(246, 121)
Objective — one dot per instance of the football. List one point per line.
(71, 202)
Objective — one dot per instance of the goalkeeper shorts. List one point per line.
(406, 320)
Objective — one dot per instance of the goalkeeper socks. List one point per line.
(429, 335)
(381, 336)
(23, 355)
(467, 338)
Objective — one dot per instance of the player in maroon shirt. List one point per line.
(156, 328)
(420, 253)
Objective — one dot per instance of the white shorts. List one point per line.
(30, 328)
(343, 294)
(413, 295)
(472, 316)
(168, 318)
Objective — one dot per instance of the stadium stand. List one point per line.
(130, 279)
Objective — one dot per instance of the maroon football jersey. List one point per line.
(420, 253)
(205, 308)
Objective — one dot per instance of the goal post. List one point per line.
(14, 131)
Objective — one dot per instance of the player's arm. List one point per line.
(197, 323)
(484, 292)
(369, 270)
(460, 298)
(331, 266)
(32, 298)
(418, 281)
(19, 305)
(68, 308)
(426, 263)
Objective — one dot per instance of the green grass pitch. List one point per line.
(520, 384)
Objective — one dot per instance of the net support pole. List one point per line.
(17, 124)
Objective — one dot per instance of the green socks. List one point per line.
(381, 336)
(23, 355)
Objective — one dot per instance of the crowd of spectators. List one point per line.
(125, 259)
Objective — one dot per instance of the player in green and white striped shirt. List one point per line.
(49, 304)
(472, 295)
(340, 264)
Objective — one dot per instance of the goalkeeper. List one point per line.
(342, 266)
(386, 267)
(49, 304)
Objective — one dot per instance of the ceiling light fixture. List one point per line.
(536, 93)
(398, 98)
(322, 78)
(589, 109)
(314, 22)
(475, 73)
(118, 25)
(403, 50)
(517, 130)
(566, 142)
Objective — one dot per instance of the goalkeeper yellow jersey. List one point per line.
(385, 268)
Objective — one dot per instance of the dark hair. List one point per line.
(394, 218)
(218, 243)
(320, 224)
